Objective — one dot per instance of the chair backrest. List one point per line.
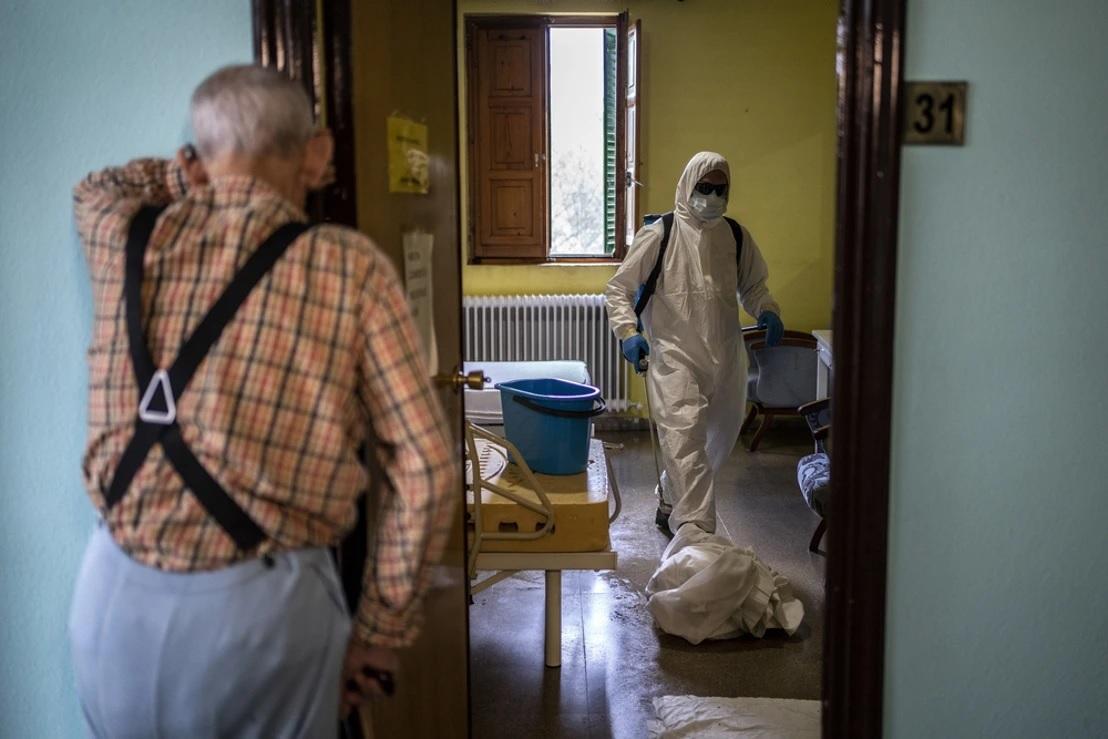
(817, 415)
(782, 376)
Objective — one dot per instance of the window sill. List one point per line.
(584, 262)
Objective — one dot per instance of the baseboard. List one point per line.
(620, 422)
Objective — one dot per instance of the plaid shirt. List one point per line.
(321, 358)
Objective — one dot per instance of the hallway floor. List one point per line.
(614, 660)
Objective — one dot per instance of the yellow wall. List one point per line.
(754, 80)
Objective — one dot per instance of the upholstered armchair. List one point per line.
(813, 472)
(780, 378)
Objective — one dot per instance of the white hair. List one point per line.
(252, 110)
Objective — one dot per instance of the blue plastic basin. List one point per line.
(549, 420)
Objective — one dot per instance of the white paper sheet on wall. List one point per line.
(417, 282)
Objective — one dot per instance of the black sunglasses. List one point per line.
(707, 188)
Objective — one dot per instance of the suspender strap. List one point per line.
(211, 327)
(737, 232)
(156, 425)
(137, 238)
(215, 500)
(651, 283)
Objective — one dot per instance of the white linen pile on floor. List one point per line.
(693, 717)
(708, 588)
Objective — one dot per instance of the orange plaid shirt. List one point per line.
(322, 358)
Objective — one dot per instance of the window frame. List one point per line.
(477, 22)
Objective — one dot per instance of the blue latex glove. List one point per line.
(771, 322)
(635, 350)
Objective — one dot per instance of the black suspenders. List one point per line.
(161, 388)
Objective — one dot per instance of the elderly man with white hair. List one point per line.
(240, 360)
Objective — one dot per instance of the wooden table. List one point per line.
(578, 541)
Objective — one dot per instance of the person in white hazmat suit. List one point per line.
(697, 360)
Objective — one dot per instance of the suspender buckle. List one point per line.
(169, 415)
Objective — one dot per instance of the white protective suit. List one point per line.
(697, 376)
(708, 588)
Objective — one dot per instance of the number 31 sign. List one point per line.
(935, 113)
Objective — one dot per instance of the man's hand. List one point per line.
(190, 164)
(367, 673)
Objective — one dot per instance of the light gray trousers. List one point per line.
(247, 651)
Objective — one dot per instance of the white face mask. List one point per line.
(708, 207)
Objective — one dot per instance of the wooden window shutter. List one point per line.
(631, 131)
(508, 143)
(612, 156)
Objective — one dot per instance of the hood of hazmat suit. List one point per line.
(697, 377)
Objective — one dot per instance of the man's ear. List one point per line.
(193, 168)
(317, 160)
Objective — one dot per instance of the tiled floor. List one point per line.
(613, 658)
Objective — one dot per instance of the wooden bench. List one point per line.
(518, 520)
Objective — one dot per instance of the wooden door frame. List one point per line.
(287, 36)
(871, 53)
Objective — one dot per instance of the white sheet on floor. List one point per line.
(708, 588)
(693, 717)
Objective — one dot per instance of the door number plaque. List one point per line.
(935, 113)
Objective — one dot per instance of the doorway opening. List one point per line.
(526, 316)
(869, 78)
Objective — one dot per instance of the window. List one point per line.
(551, 118)
(582, 124)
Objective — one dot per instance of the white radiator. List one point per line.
(522, 328)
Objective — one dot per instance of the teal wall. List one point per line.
(998, 560)
(82, 85)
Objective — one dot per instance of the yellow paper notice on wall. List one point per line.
(408, 159)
